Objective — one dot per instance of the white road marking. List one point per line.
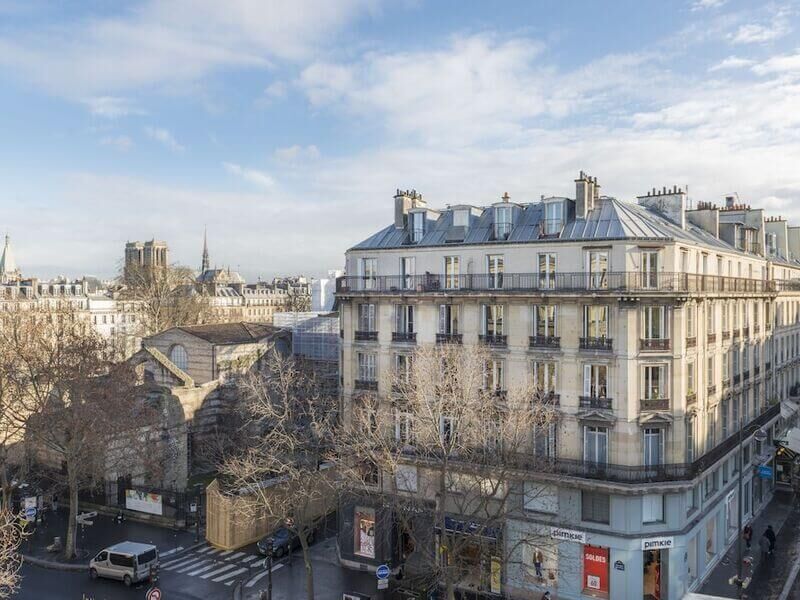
(205, 549)
(237, 555)
(182, 563)
(194, 565)
(226, 552)
(229, 575)
(170, 552)
(218, 571)
(256, 579)
(250, 558)
(213, 565)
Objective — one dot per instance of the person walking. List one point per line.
(747, 535)
(763, 545)
(770, 535)
(538, 559)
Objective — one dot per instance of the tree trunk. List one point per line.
(72, 520)
(309, 567)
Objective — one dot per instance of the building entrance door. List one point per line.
(655, 574)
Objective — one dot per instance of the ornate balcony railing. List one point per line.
(711, 389)
(655, 403)
(366, 384)
(726, 335)
(448, 338)
(596, 343)
(595, 402)
(691, 398)
(756, 329)
(691, 342)
(745, 331)
(366, 336)
(737, 334)
(654, 345)
(405, 337)
(496, 341)
(711, 338)
(544, 341)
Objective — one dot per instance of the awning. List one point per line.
(788, 408)
(791, 440)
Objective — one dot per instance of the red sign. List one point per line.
(595, 569)
(154, 594)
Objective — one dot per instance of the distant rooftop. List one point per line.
(231, 333)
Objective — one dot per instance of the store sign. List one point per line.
(568, 535)
(660, 543)
(595, 568)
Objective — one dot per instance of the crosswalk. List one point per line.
(212, 564)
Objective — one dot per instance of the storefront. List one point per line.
(475, 551)
(655, 571)
(367, 536)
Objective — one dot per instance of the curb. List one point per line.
(57, 566)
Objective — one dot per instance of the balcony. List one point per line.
(691, 342)
(404, 337)
(366, 336)
(711, 338)
(654, 345)
(366, 384)
(711, 389)
(596, 343)
(448, 338)
(595, 402)
(691, 398)
(548, 399)
(495, 341)
(655, 404)
(726, 335)
(544, 341)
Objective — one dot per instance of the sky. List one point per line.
(284, 128)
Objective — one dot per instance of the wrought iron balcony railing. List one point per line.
(691, 342)
(595, 402)
(496, 341)
(544, 341)
(691, 398)
(366, 384)
(366, 336)
(448, 338)
(596, 343)
(405, 337)
(711, 338)
(654, 344)
(655, 403)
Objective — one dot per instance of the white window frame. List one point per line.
(452, 272)
(593, 382)
(550, 327)
(650, 260)
(495, 268)
(598, 276)
(597, 432)
(547, 265)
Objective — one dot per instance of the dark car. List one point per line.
(283, 542)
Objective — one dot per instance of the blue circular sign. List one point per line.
(382, 572)
(30, 513)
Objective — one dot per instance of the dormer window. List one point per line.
(502, 222)
(553, 218)
(461, 218)
(417, 226)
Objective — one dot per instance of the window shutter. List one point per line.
(371, 317)
(398, 317)
(442, 318)
(483, 318)
(587, 379)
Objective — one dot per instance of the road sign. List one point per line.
(765, 472)
(382, 572)
(30, 513)
(383, 584)
(153, 594)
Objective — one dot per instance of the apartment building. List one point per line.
(660, 330)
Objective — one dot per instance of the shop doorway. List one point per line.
(655, 574)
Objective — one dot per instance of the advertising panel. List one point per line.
(143, 502)
(595, 569)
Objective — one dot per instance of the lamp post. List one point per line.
(760, 435)
(268, 594)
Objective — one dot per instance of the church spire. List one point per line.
(8, 266)
(205, 266)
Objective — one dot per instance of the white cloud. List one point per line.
(253, 176)
(276, 89)
(757, 33)
(164, 137)
(732, 62)
(296, 152)
(784, 63)
(121, 142)
(112, 107)
(707, 4)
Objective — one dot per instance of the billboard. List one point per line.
(595, 569)
(143, 502)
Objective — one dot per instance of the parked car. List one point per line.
(283, 542)
(129, 562)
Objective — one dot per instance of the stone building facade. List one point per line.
(660, 330)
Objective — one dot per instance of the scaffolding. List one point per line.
(315, 335)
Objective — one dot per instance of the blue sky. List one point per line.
(285, 127)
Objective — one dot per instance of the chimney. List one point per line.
(670, 203)
(405, 200)
(586, 193)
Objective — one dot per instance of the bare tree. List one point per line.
(447, 455)
(11, 536)
(283, 464)
(297, 301)
(167, 297)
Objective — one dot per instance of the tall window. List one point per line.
(725, 369)
(710, 324)
(690, 439)
(544, 320)
(403, 367)
(691, 379)
(595, 444)
(366, 366)
(595, 506)
(448, 319)
(493, 376)
(655, 382)
(691, 322)
(451, 272)
(407, 271)
(547, 271)
(493, 319)
(710, 375)
(553, 218)
(369, 272)
(366, 317)
(545, 440)
(725, 317)
(595, 381)
(404, 428)
(544, 376)
(650, 269)
(595, 321)
(653, 446)
(598, 270)
(655, 322)
(447, 430)
(404, 318)
(179, 357)
(725, 412)
(494, 267)
(417, 226)
(502, 222)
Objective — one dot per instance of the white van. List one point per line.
(129, 562)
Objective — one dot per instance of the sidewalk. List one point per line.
(767, 579)
(104, 532)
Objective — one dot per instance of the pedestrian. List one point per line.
(747, 534)
(538, 559)
(763, 545)
(770, 534)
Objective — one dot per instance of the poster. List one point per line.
(143, 502)
(595, 569)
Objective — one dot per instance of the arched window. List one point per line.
(178, 356)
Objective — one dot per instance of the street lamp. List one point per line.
(760, 435)
(268, 594)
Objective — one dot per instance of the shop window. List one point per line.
(540, 560)
(541, 497)
(595, 507)
(711, 539)
(595, 570)
(364, 531)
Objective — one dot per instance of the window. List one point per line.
(595, 444)
(406, 478)
(403, 364)
(461, 218)
(544, 320)
(725, 369)
(710, 317)
(494, 266)
(691, 380)
(417, 226)
(595, 321)
(655, 382)
(502, 222)
(710, 371)
(366, 366)
(690, 439)
(447, 429)
(547, 271)
(544, 376)
(407, 272)
(595, 507)
(364, 531)
(553, 218)
(655, 322)
(404, 318)
(653, 446)
(650, 269)
(493, 319)
(366, 317)
(545, 440)
(691, 324)
(451, 272)
(725, 317)
(493, 379)
(598, 270)
(448, 319)
(652, 508)
(404, 428)
(595, 381)
(179, 357)
(120, 560)
(369, 272)
(541, 497)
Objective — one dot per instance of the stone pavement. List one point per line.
(769, 578)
